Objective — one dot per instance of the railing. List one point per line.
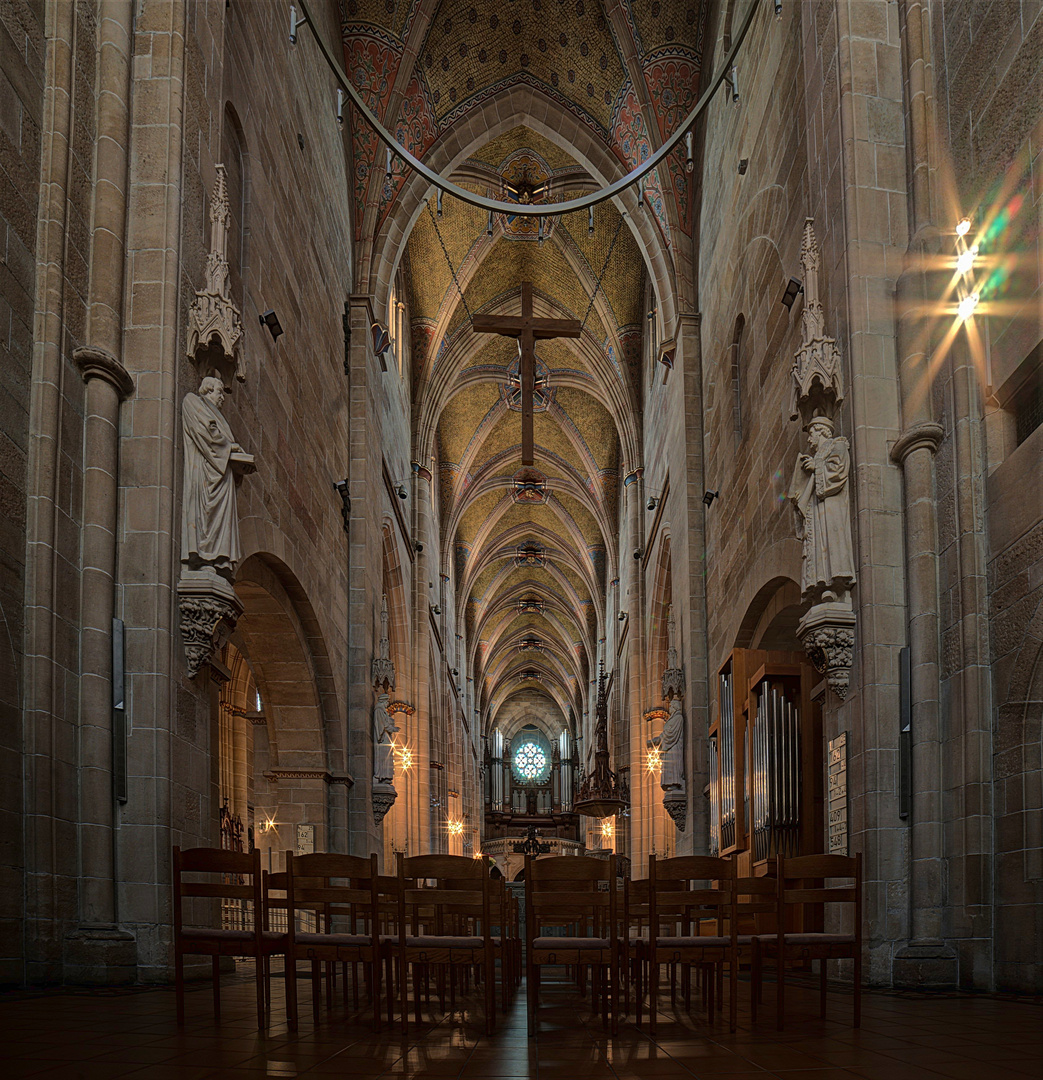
(504, 845)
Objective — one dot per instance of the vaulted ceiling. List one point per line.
(530, 552)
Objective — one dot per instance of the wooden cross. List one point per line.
(527, 330)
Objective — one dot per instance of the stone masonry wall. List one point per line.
(21, 116)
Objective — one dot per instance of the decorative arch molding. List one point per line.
(283, 642)
(393, 588)
(519, 104)
(505, 610)
(504, 693)
(503, 547)
(778, 564)
(660, 599)
(1018, 759)
(440, 383)
(487, 479)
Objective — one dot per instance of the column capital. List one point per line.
(95, 363)
(926, 436)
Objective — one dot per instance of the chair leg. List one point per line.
(530, 996)
(733, 993)
(260, 989)
(780, 983)
(179, 985)
(403, 993)
(489, 977)
(373, 972)
(653, 993)
(215, 978)
(858, 989)
(614, 1003)
(755, 981)
(316, 990)
(290, 979)
(822, 988)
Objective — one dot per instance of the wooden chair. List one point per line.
(230, 876)
(634, 928)
(342, 892)
(578, 894)
(446, 925)
(676, 905)
(793, 876)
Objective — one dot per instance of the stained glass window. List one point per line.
(530, 761)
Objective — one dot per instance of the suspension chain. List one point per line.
(597, 285)
(448, 261)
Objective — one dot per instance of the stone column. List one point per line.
(631, 697)
(690, 563)
(98, 950)
(423, 571)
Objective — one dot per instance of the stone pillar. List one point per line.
(690, 563)
(365, 569)
(97, 951)
(631, 695)
(423, 572)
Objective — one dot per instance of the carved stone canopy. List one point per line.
(673, 676)
(818, 385)
(383, 670)
(215, 329)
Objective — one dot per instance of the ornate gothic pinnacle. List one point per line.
(383, 669)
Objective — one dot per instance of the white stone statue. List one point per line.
(384, 732)
(214, 461)
(670, 743)
(820, 493)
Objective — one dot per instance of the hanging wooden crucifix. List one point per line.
(527, 330)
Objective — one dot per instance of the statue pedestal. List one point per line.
(384, 796)
(827, 633)
(677, 807)
(208, 604)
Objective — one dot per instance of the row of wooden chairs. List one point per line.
(440, 915)
(691, 914)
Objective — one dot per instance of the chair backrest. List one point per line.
(457, 901)
(577, 891)
(635, 904)
(228, 875)
(342, 888)
(797, 878)
(674, 898)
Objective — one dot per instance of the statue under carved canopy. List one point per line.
(213, 463)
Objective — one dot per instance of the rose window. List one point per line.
(530, 761)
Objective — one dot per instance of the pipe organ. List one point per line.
(766, 759)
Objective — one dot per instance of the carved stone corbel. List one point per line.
(215, 329)
(827, 633)
(209, 611)
(384, 798)
(678, 811)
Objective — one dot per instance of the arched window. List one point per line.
(737, 377)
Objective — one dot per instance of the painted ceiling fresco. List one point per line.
(531, 552)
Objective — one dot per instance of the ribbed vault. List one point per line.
(569, 94)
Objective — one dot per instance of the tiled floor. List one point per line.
(903, 1037)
